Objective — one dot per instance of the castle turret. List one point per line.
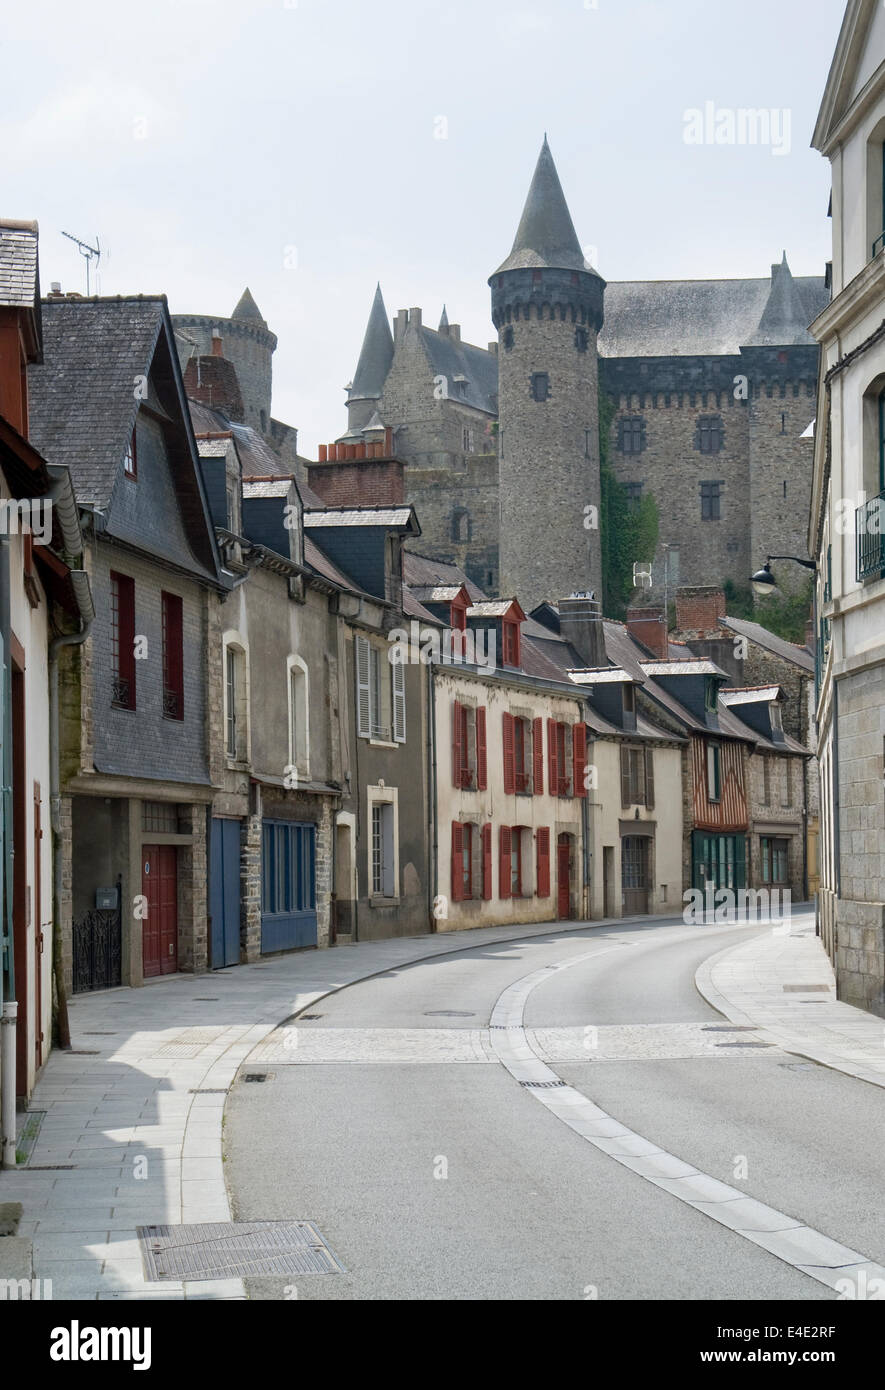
(547, 305)
(376, 355)
(247, 342)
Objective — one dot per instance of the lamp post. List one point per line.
(764, 582)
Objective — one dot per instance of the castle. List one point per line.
(712, 385)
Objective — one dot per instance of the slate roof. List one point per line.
(82, 401)
(264, 487)
(783, 318)
(19, 282)
(246, 308)
(750, 695)
(601, 676)
(436, 593)
(360, 516)
(451, 358)
(546, 235)
(491, 608)
(778, 646)
(376, 354)
(423, 569)
(686, 666)
(213, 448)
(684, 318)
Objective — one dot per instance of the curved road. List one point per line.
(390, 1122)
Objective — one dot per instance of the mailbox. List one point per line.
(106, 898)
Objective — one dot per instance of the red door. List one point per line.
(563, 876)
(159, 884)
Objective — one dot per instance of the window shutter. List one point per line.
(579, 750)
(649, 778)
(399, 702)
(487, 862)
(552, 758)
(538, 756)
(544, 862)
(504, 862)
(363, 712)
(509, 759)
(625, 776)
(457, 862)
(481, 756)
(457, 735)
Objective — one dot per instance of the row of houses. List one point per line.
(242, 717)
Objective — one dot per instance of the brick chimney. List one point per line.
(213, 382)
(359, 474)
(217, 344)
(647, 625)
(699, 611)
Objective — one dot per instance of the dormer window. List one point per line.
(710, 695)
(130, 460)
(777, 722)
(510, 643)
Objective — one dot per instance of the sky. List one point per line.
(310, 148)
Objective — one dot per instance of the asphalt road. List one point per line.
(433, 1177)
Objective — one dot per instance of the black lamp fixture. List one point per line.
(763, 581)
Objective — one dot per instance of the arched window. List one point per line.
(299, 716)
(461, 529)
(236, 698)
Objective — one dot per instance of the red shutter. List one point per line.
(487, 862)
(538, 756)
(544, 862)
(509, 759)
(457, 862)
(552, 759)
(481, 759)
(457, 728)
(504, 862)
(579, 749)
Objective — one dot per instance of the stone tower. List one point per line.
(547, 305)
(365, 391)
(247, 342)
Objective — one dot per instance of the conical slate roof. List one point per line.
(444, 320)
(376, 354)
(248, 309)
(546, 235)
(784, 319)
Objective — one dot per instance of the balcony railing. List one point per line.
(870, 529)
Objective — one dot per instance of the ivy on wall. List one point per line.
(628, 532)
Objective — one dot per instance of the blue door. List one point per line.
(224, 892)
(288, 885)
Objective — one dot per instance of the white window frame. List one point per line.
(380, 702)
(378, 796)
(233, 642)
(298, 698)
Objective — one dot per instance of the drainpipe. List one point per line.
(7, 977)
(80, 581)
(431, 809)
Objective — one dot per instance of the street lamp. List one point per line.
(763, 581)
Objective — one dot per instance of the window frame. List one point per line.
(172, 606)
(123, 680)
(713, 764)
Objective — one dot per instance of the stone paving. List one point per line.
(784, 986)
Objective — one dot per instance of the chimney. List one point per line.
(648, 626)
(55, 287)
(580, 623)
(415, 318)
(493, 347)
(699, 610)
(455, 332)
(217, 345)
(399, 325)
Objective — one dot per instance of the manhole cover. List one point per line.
(258, 1076)
(226, 1250)
(541, 1085)
(745, 1044)
(728, 1028)
(806, 989)
(448, 1013)
(208, 1091)
(206, 998)
(308, 1018)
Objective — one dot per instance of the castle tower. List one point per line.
(246, 341)
(547, 306)
(365, 391)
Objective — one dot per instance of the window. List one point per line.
(381, 693)
(582, 339)
(787, 783)
(634, 495)
(123, 641)
(521, 743)
(637, 776)
(777, 721)
(774, 859)
(232, 521)
(542, 843)
(515, 862)
(469, 749)
(467, 440)
(629, 700)
(130, 458)
(299, 717)
(467, 861)
(540, 386)
(631, 434)
(288, 862)
(711, 495)
(383, 882)
(468, 872)
(173, 657)
(713, 772)
(460, 525)
(510, 644)
(710, 434)
(508, 338)
(766, 779)
(236, 703)
(711, 695)
(560, 752)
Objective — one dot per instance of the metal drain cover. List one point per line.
(806, 989)
(448, 1013)
(227, 1250)
(745, 1044)
(542, 1085)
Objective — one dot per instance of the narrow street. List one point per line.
(389, 1119)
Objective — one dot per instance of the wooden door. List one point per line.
(563, 876)
(634, 874)
(159, 884)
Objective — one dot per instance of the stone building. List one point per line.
(846, 532)
(713, 385)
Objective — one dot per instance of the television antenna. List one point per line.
(90, 253)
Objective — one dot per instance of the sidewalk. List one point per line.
(785, 986)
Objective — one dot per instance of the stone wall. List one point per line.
(860, 909)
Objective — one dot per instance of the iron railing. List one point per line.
(870, 530)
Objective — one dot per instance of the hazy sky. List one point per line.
(295, 146)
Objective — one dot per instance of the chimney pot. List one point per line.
(323, 452)
(55, 287)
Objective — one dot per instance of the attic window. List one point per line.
(711, 694)
(510, 644)
(776, 718)
(130, 461)
(629, 700)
